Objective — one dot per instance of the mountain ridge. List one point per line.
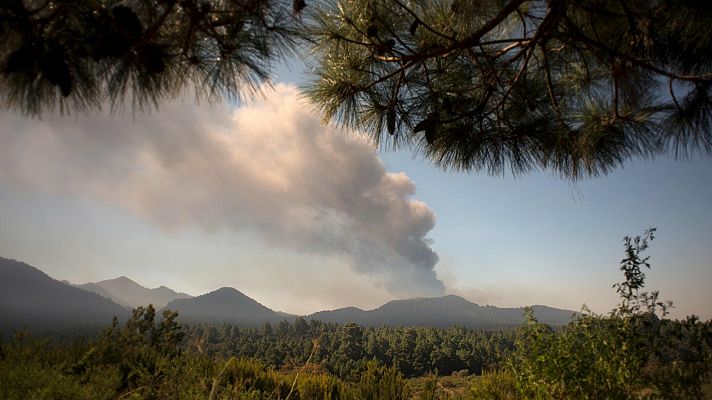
(227, 305)
(129, 293)
(31, 299)
(443, 311)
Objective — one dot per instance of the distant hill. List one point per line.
(441, 312)
(30, 299)
(225, 305)
(128, 293)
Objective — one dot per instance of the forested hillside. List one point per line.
(148, 359)
(442, 312)
(344, 349)
(32, 300)
(635, 352)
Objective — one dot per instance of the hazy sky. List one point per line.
(302, 217)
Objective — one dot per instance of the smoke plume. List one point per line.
(268, 167)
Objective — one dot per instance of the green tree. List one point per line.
(76, 55)
(300, 326)
(351, 341)
(266, 329)
(167, 337)
(571, 86)
(633, 301)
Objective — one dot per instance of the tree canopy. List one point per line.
(572, 86)
(76, 55)
(576, 87)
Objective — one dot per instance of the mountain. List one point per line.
(30, 299)
(441, 312)
(128, 293)
(225, 305)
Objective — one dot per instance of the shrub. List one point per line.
(630, 354)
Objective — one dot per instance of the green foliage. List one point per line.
(37, 369)
(344, 350)
(145, 360)
(576, 87)
(584, 361)
(633, 301)
(630, 354)
(322, 387)
(441, 387)
(248, 378)
(378, 382)
(498, 385)
(143, 352)
(75, 55)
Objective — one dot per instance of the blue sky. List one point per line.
(548, 241)
(87, 198)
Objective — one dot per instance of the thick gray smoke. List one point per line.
(268, 167)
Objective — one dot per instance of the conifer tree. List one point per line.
(576, 87)
(75, 55)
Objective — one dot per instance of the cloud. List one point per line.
(268, 167)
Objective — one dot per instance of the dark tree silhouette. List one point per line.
(572, 86)
(576, 87)
(76, 54)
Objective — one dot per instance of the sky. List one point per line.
(303, 217)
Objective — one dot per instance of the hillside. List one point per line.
(441, 312)
(128, 293)
(33, 300)
(225, 305)
(30, 299)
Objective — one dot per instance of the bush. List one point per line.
(630, 354)
(379, 382)
(497, 385)
(35, 369)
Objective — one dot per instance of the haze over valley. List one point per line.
(264, 198)
(32, 300)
